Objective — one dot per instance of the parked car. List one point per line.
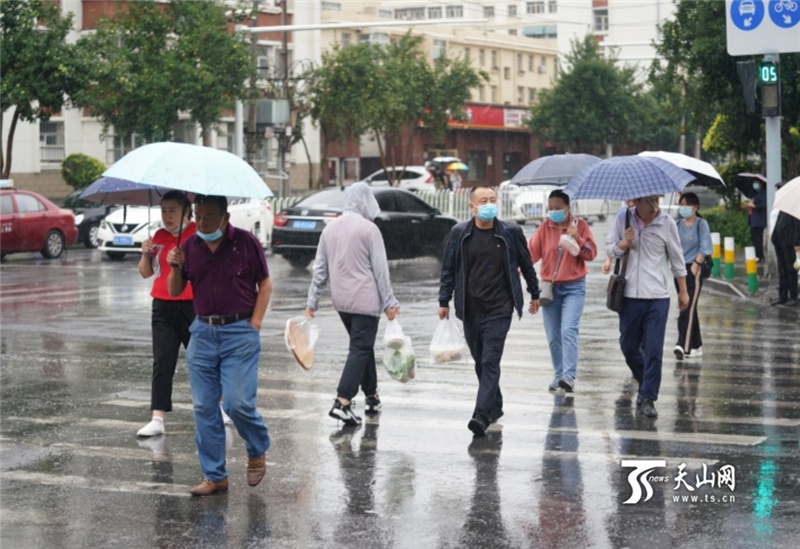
(123, 232)
(31, 223)
(413, 178)
(410, 227)
(88, 216)
(529, 202)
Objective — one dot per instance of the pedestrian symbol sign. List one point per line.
(758, 27)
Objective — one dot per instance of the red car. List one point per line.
(31, 223)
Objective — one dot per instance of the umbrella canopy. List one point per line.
(445, 160)
(557, 169)
(109, 190)
(787, 199)
(189, 168)
(457, 166)
(744, 183)
(704, 173)
(627, 178)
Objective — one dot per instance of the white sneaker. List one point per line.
(152, 429)
(695, 353)
(679, 354)
(226, 420)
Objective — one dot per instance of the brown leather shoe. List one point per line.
(209, 487)
(256, 467)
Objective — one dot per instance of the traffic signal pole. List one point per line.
(772, 126)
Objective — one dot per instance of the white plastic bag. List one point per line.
(393, 337)
(448, 344)
(401, 363)
(300, 336)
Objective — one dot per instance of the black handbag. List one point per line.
(615, 292)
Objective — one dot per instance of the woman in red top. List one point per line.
(172, 316)
(565, 235)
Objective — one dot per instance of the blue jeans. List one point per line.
(223, 362)
(562, 319)
(642, 328)
(486, 338)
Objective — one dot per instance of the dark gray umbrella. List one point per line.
(557, 169)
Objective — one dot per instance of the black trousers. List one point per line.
(359, 368)
(170, 323)
(486, 338)
(695, 341)
(787, 281)
(757, 236)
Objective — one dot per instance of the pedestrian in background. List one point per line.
(170, 316)
(481, 268)
(696, 242)
(351, 254)
(786, 239)
(564, 267)
(230, 278)
(455, 180)
(757, 219)
(652, 242)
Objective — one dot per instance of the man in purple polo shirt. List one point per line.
(231, 283)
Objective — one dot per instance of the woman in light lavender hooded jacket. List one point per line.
(351, 254)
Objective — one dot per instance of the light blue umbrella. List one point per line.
(557, 169)
(627, 178)
(189, 168)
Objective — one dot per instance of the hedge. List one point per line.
(80, 170)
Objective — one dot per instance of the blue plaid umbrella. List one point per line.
(627, 178)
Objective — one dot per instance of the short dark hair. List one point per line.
(220, 201)
(180, 198)
(558, 193)
(476, 187)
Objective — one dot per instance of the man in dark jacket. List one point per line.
(482, 261)
(758, 218)
(786, 239)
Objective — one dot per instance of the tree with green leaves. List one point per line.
(41, 71)
(595, 103)
(387, 92)
(155, 60)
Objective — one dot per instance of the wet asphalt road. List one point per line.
(75, 389)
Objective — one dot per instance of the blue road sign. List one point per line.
(747, 14)
(784, 13)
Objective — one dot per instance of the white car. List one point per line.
(122, 232)
(529, 202)
(414, 178)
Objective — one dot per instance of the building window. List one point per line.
(475, 163)
(507, 73)
(552, 6)
(531, 95)
(467, 55)
(520, 95)
(378, 38)
(530, 63)
(482, 57)
(454, 11)
(512, 10)
(482, 94)
(51, 141)
(410, 14)
(494, 61)
(345, 40)
(434, 13)
(541, 31)
(512, 32)
(488, 11)
(331, 6)
(601, 20)
(439, 49)
(494, 94)
(385, 13)
(520, 67)
(534, 7)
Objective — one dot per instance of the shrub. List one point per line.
(80, 170)
(729, 222)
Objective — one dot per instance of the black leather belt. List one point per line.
(222, 320)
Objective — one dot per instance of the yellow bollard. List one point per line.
(752, 269)
(729, 257)
(715, 255)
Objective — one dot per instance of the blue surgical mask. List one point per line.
(487, 212)
(558, 216)
(757, 186)
(211, 237)
(685, 211)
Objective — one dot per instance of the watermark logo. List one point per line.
(640, 478)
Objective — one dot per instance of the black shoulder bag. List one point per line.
(615, 292)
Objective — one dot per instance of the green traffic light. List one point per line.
(768, 72)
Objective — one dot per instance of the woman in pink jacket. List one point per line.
(564, 244)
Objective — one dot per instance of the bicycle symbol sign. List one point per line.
(760, 27)
(784, 13)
